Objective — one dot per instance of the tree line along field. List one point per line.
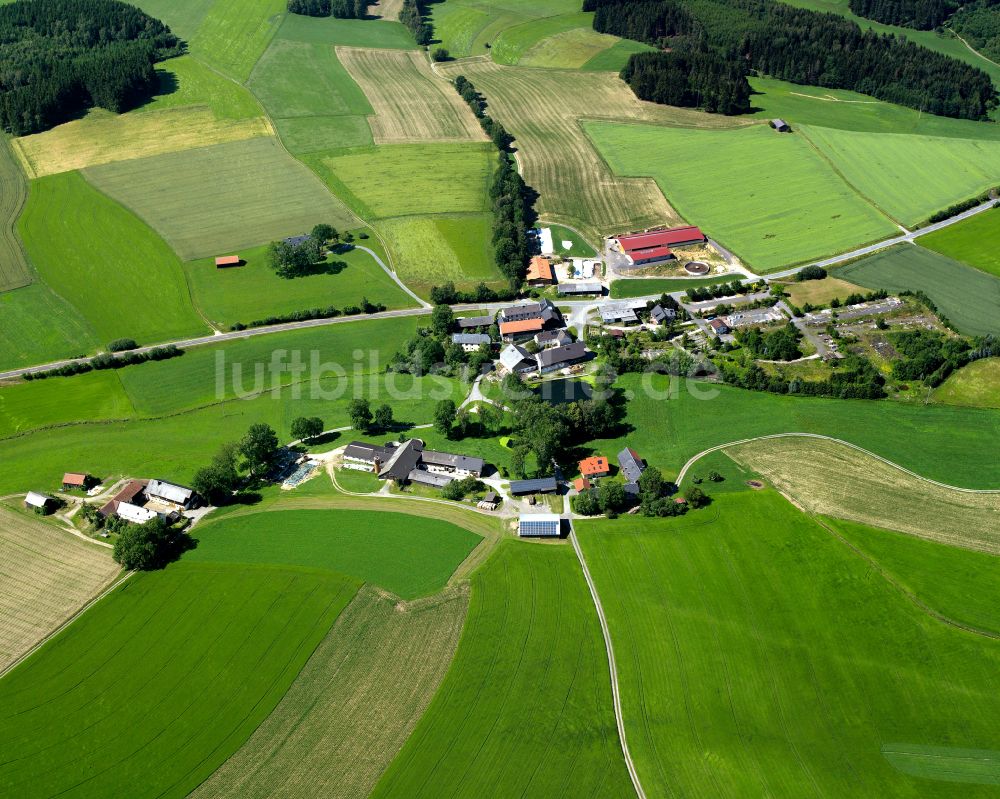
(976, 385)
(49, 575)
(829, 478)
(967, 296)
(14, 269)
(524, 708)
(974, 241)
(735, 631)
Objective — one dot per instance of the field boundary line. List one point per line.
(117, 581)
(616, 696)
(695, 458)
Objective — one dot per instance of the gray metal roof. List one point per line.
(470, 338)
(618, 315)
(429, 478)
(463, 462)
(363, 451)
(570, 352)
(474, 321)
(580, 288)
(37, 500)
(544, 309)
(631, 465)
(171, 492)
(403, 461)
(537, 486)
(513, 356)
(661, 314)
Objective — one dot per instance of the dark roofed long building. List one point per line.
(410, 461)
(541, 485)
(631, 464)
(472, 322)
(404, 459)
(549, 360)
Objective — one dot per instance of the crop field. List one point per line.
(308, 93)
(820, 292)
(170, 674)
(722, 181)
(909, 177)
(439, 178)
(218, 199)
(974, 241)
(14, 269)
(48, 576)
(976, 385)
(121, 278)
(742, 620)
(353, 705)
(233, 34)
(388, 9)
(967, 296)
(570, 49)
(525, 709)
(410, 556)
(624, 288)
(828, 478)
(254, 291)
(380, 34)
(411, 103)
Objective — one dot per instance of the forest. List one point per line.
(979, 24)
(921, 14)
(805, 47)
(696, 79)
(342, 9)
(61, 57)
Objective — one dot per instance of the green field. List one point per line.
(579, 247)
(186, 81)
(640, 287)
(183, 16)
(41, 327)
(758, 655)
(121, 277)
(216, 200)
(570, 49)
(975, 241)
(410, 556)
(615, 57)
(724, 181)
(534, 37)
(526, 707)
(254, 291)
(976, 385)
(909, 177)
(14, 269)
(160, 682)
(96, 395)
(346, 32)
(233, 34)
(968, 297)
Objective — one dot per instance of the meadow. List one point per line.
(410, 556)
(909, 177)
(967, 296)
(976, 385)
(14, 269)
(974, 241)
(723, 181)
(120, 277)
(579, 248)
(828, 478)
(155, 686)
(469, 28)
(819, 292)
(742, 620)
(29, 405)
(513, 44)
(233, 34)
(40, 326)
(614, 58)
(48, 576)
(353, 705)
(380, 34)
(623, 288)
(254, 291)
(217, 200)
(575, 48)
(526, 707)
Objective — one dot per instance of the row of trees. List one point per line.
(447, 294)
(342, 9)
(108, 361)
(730, 289)
(921, 14)
(413, 16)
(61, 57)
(854, 377)
(690, 78)
(365, 306)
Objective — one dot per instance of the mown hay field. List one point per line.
(909, 177)
(543, 109)
(214, 200)
(967, 296)
(514, 43)
(470, 28)
(829, 478)
(48, 575)
(233, 34)
(725, 181)
(353, 705)
(820, 292)
(411, 103)
(759, 655)
(40, 327)
(570, 49)
(14, 269)
(121, 277)
(171, 673)
(525, 709)
(976, 385)
(974, 241)
(614, 58)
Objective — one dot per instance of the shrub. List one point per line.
(122, 344)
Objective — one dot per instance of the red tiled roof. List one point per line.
(227, 260)
(521, 326)
(595, 465)
(540, 269)
(131, 490)
(657, 238)
(74, 479)
(581, 484)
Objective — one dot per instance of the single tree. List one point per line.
(382, 418)
(586, 504)
(306, 427)
(323, 234)
(148, 546)
(361, 414)
(651, 484)
(442, 320)
(518, 461)
(444, 416)
(259, 446)
(611, 497)
(696, 498)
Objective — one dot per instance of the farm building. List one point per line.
(297, 241)
(582, 484)
(365, 457)
(595, 466)
(544, 310)
(541, 485)
(473, 322)
(539, 525)
(470, 342)
(134, 513)
(521, 328)
(622, 312)
(410, 461)
(654, 245)
(553, 338)
(131, 493)
(42, 503)
(661, 315)
(631, 465)
(550, 360)
(75, 480)
(516, 360)
(171, 493)
(540, 271)
(490, 502)
(755, 316)
(591, 287)
(781, 126)
(719, 326)
(227, 260)
(650, 255)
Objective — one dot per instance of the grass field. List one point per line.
(974, 241)
(410, 102)
(526, 707)
(254, 291)
(41, 327)
(819, 292)
(569, 49)
(721, 180)
(28, 406)
(214, 200)
(535, 37)
(156, 685)
(14, 269)
(233, 34)
(353, 705)
(48, 576)
(758, 655)
(409, 556)
(579, 248)
(624, 288)
(976, 385)
(183, 16)
(909, 177)
(967, 296)
(116, 272)
(615, 57)
(187, 81)
(350, 32)
(828, 478)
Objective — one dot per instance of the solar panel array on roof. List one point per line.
(539, 525)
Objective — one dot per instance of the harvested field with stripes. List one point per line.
(14, 269)
(354, 704)
(835, 480)
(542, 108)
(47, 576)
(411, 103)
